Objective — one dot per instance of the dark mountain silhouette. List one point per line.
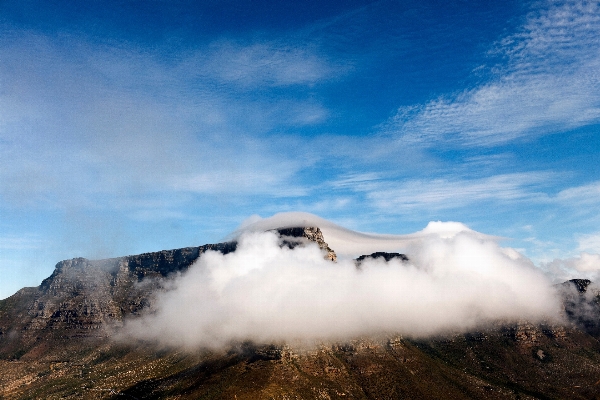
(384, 255)
(56, 341)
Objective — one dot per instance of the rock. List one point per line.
(581, 299)
(88, 298)
(580, 284)
(380, 254)
(313, 234)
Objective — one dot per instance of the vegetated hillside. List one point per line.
(55, 342)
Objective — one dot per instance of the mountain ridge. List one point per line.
(56, 342)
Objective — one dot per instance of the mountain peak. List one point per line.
(313, 234)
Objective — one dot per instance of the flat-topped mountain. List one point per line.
(56, 341)
(91, 297)
(85, 297)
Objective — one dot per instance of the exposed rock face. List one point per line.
(384, 255)
(580, 284)
(86, 298)
(310, 233)
(582, 304)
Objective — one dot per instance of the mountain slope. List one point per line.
(56, 342)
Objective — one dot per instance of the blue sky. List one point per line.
(134, 126)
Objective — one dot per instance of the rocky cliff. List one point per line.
(88, 298)
(581, 299)
(291, 238)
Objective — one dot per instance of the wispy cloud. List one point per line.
(448, 193)
(584, 266)
(549, 83)
(238, 182)
(580, 195)
(265, 63)
(590, 243)
(358, 181)
(98, 125)
(398, 195)
(20, 243)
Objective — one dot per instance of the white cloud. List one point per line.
(580, 195)
(256, 180)
(264, 292)
(358, 181)
(454, 192)
(351, 244)
(21, 243)
(96, 126)
(437, 194)
(550, 84)
(265, 63)
(587, 262)
(589, 243)
(585, 266)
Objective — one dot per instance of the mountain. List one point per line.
(57, 340)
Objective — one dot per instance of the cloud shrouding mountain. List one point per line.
(584, 266)
(456, 280)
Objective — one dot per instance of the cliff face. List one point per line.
(87, 298)
(291, 235)
(582, 304)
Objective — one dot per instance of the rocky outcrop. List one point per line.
(582, 304)
(380, 254)
(312, 234)
(580, 284)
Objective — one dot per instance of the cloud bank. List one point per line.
(584, 266)
(456, 280)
